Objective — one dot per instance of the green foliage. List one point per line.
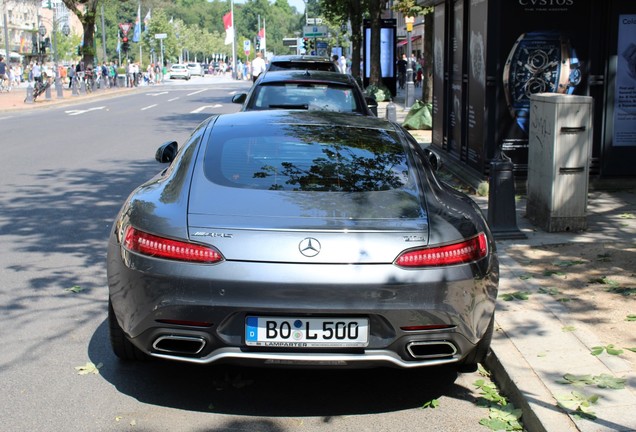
(501, 414)
(379, 92)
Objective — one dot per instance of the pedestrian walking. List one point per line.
(258, 66)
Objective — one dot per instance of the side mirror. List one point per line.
(239, 98)
(372, 104)
(167, 152)
(433, 159)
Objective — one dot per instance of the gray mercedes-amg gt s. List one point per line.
(301, 238)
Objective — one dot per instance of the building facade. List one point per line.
(26, 25)
(491, 55)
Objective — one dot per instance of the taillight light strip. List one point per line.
(155, 246)
(465, 251)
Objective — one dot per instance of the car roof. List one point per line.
(306, 75)
(301, 62)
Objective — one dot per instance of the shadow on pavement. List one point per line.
(269, 392)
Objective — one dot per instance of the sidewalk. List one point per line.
(14, 100)
(531, 350)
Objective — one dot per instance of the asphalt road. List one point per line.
(65, 172)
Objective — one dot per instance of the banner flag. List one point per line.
(137, 31)
(229, 28)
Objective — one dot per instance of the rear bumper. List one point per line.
(146, 293)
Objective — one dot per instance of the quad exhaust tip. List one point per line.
(179, 345)
(431, 349)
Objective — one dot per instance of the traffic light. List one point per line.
(257, 45)
(305, 44)
(124, 44)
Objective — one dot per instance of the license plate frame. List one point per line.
(306, 332)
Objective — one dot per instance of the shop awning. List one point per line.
(405, 41)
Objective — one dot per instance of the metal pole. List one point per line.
(233, 42)
(410, 85)
(103, 34)
(6, 34)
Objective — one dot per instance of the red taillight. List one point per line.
(466, 251)
(148, 244)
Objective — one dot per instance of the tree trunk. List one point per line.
(375, 13)
(87, 17)
(355, 14)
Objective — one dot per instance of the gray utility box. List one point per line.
(559, 147)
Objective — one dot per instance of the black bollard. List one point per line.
(502, 213)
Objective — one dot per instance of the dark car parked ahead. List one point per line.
(301, 238)
(308, 90)
(301, 62)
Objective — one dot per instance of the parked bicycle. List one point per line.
(39, 88)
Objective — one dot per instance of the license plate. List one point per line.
(306, 332)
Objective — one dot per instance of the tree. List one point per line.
(86, 12)
(341, 11)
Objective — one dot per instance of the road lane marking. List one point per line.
(173, 99)
(157, 94)
(198, 110)
(196, 92)
(148, 107)
(78, 112)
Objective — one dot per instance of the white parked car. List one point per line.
(195, 69)
(179, 71)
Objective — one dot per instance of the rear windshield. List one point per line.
(295, 157)
(305, 95)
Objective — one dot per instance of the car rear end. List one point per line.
(304, 249)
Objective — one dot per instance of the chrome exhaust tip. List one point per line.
(179, 345)
(431, 349)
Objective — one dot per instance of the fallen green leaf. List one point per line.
(549, 291)
(525, 276)
(627, 216)
(609, 382)
(75, 289)
(598, 350)
(567, 329)
(612, 350)
(567, 263)
(88, 368)
(518, 295)
(553, 273)
(564, 299)
(622, 291)
(434, 403)
(631, 349)
(630, 317)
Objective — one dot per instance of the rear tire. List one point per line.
(122, 347)
(479, 353)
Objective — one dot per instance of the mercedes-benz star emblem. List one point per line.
(310, 247)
